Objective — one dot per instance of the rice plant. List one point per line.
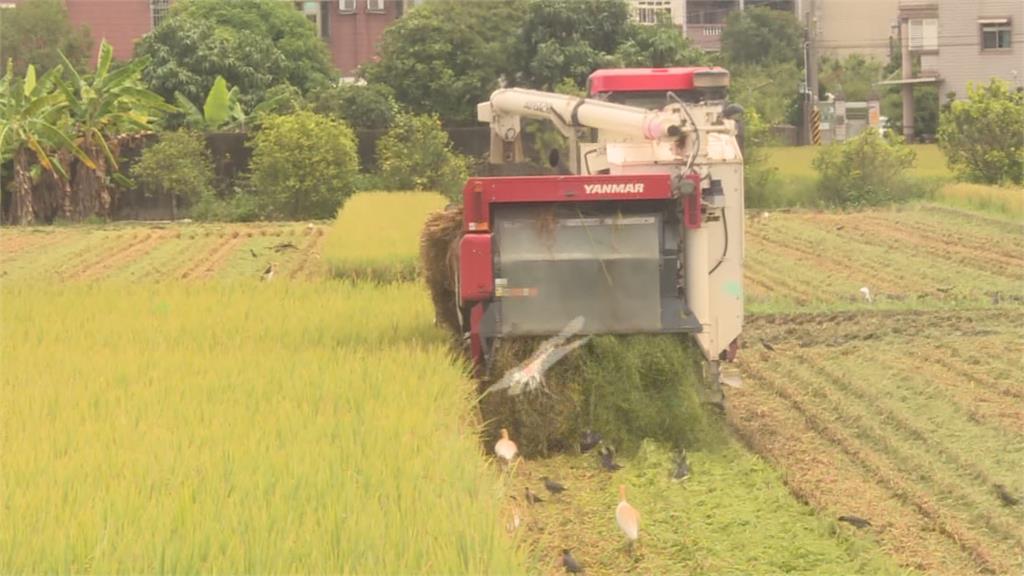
(238, 428)
(376, 235)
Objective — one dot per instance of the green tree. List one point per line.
(37, 31)
(254, 45)
(178, 166)
(981, 136)
(416, 155)
(105, 107)
(303, 165)
(852, 78)
(865, 171)
(445, 56)
(761, 35)
(568, 39)
(658, 46)
(771, 90)
(363, 107)
(33, 124)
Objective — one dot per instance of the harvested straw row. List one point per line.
(439, 258)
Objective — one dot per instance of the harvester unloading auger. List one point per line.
(644, 235)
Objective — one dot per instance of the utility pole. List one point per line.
(810, 69)
(907, 72)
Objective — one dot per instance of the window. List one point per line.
(649, 11)
(995, 34)
(158, 10)
(374, 5)
(347, 6)
(924, 34)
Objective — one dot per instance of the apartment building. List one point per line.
(961, 42)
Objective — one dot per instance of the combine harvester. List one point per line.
(640, 232)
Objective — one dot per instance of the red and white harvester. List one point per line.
(643, 231)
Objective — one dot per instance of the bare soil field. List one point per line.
(161, 252)
(908, 410)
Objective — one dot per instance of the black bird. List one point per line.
(589, 441)
(1004, 495)
(855, 520)
(570, 563)
(608, 459)
(285, 246)
(532, 498)
(682, 469)
(552, 486)
(767, 346)
(253, 252)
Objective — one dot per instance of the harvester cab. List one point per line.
(644, 236)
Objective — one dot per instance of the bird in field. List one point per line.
(532, 498)
(855, 521)
(570, 563)
(253, 253)
(867, 294)
(627, 518)
(1005, 496)
(840, 227)
(552, 486)
(529, 375)
(767, 346)
(608, 459)
(268, 273)
(589, 441)
(682, 467)
(505, 449)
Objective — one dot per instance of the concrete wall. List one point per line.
(855, 26)
(960, 58)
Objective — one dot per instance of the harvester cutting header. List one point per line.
(641, 232)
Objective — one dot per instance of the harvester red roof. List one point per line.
(645, 79)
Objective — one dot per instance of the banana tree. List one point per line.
(222, 109)
(33, 119)
(106, 107)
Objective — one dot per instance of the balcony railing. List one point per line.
(706, 36)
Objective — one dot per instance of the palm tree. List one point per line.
(32, 124)
(106, 107)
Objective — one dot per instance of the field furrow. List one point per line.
(208, 263)
(817, 471)
(882, 469)
(126, 245)
(304, 266)
(919, 452)
(17, 245)
(881, 233)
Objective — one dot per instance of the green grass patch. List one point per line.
(237, 427)
(1001, 201)
(376, 235)
(796, 161)
(795, 183)
(733, 515)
